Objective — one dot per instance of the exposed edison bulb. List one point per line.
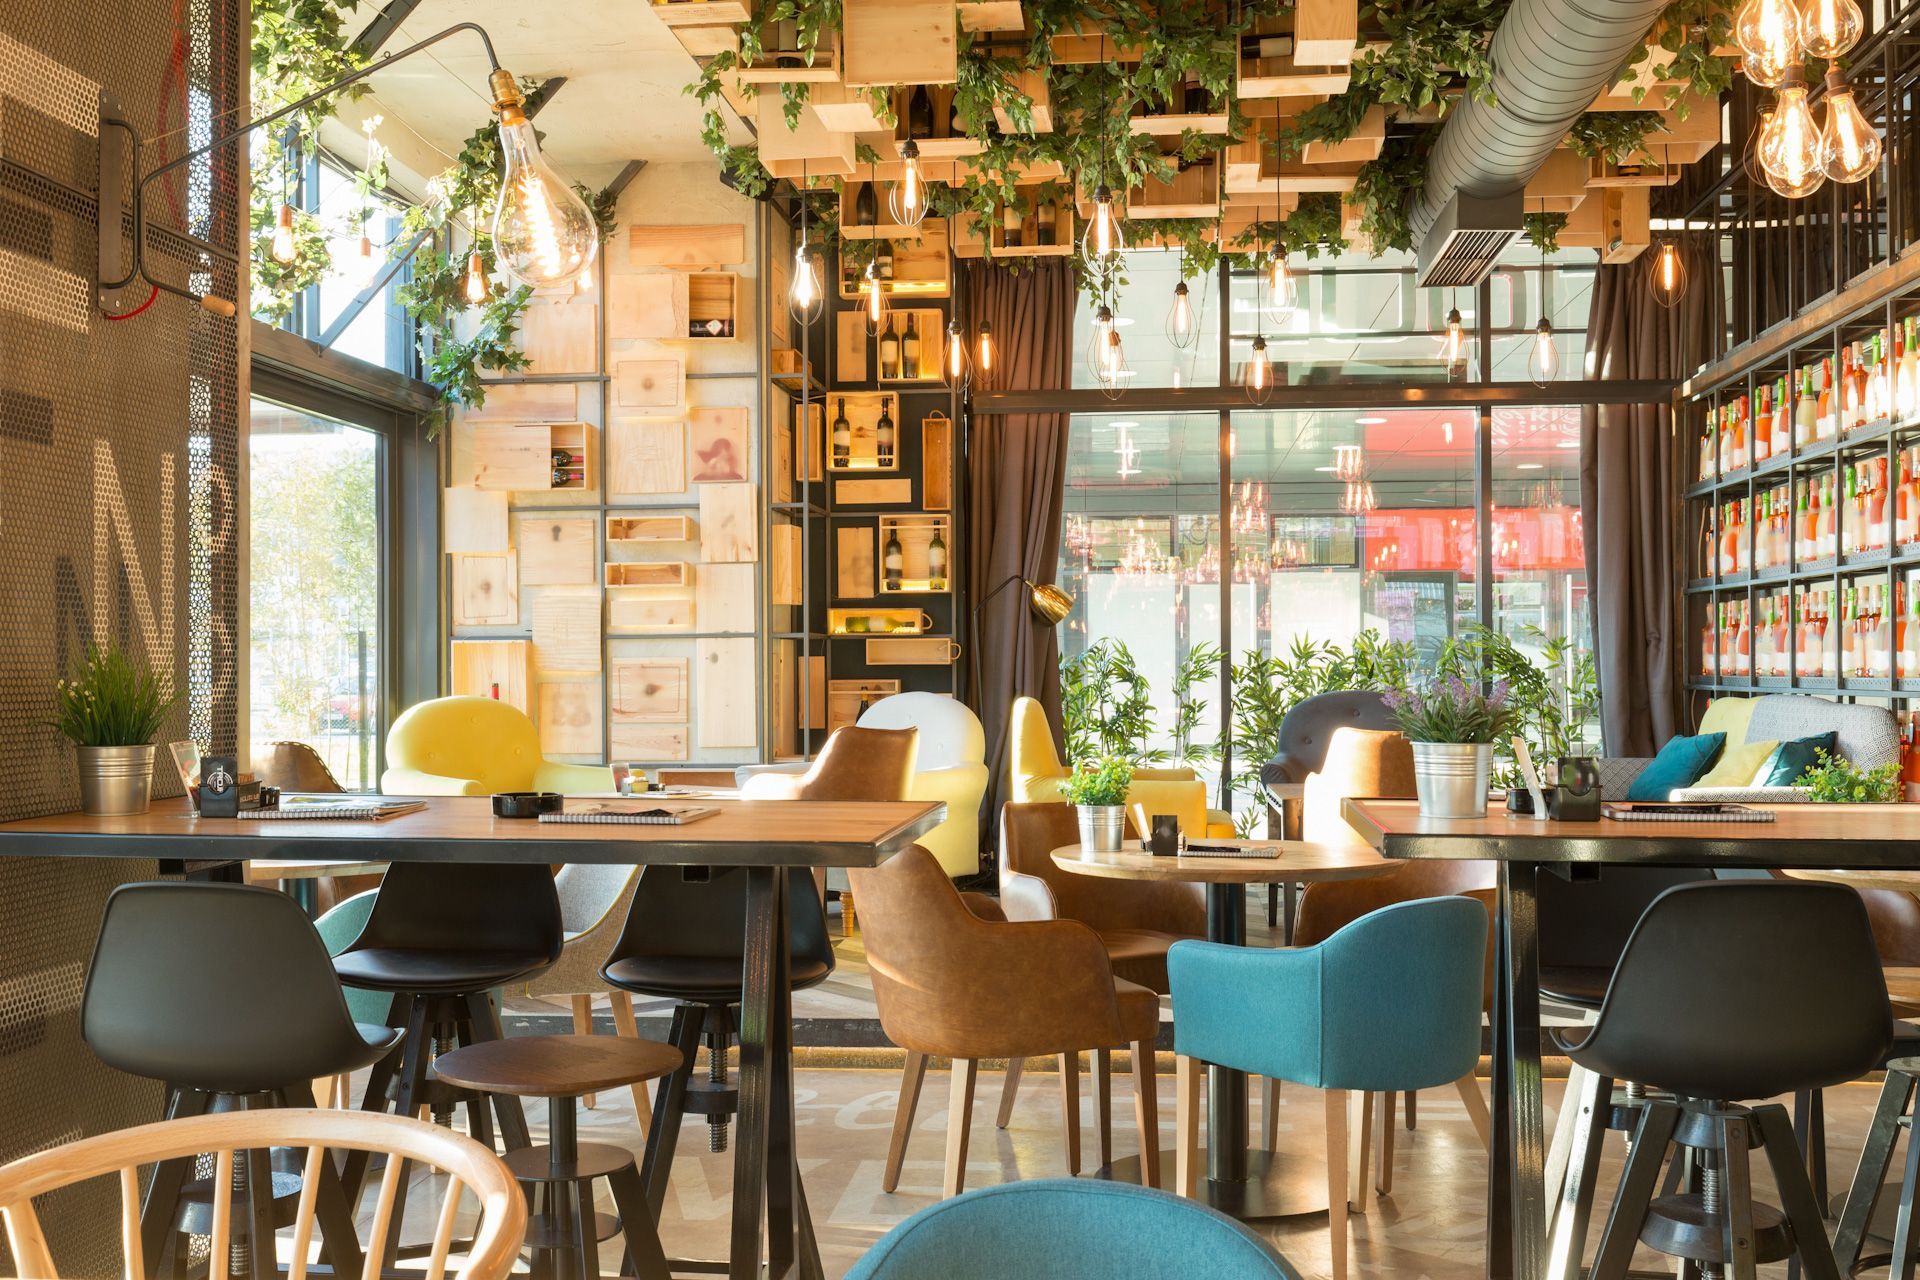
(1756, 171)
(1103, 328)
(1453, 346)
(806, 298)
(873, 305)
(908, 199)
(543, 235)
(284, 249)
(477, 288)
(1283, 289)
(1543, 362)
(1849, 147)
(1790, 150)
(1828, 28)
(1182, 331)
(1102, 242)
(953, 364)
(1668, 275)
(1257, 376)
(983, 360)
(1110, 369)
(1768, 32)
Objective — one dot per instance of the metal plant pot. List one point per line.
(1451, 778)
(115, 781)
(1102, 827)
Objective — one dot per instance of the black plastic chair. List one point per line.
(685, 940)
(225, 993)
(440, 936)
(1728, 992)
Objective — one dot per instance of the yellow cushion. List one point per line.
(1032, 762)
(1737, 765)
(1729, 716)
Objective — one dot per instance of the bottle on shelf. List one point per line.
(1879, 664)
(1709, 643)
(1910, 634)
(1910, 371)
(1880, 385)
(1802, 524)
(1745, 547)
(1829, 519)
(842, 436)
(937, 561)
(1777, 442)
(1782, 418)
(1737, 453)
(718, 327)
(1729, 540)
(1849, 390)
(1742, 641)
(920, 113)
(893, 560)
(956, 127)
(1758, 431)
(1010, 225)
(883, 434)
(1781, 641)
(1763, 641)
(883, 260)
(1823, 410)
(1046, 216)
(1708, 440)
(1901, 372)
(1806, 413)
(889, 351)
(1850, 527)
(910, 350)
(1877, 502)
(1822, 658)
(866, 206)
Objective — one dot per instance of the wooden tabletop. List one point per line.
(1817, 836)
(745, 833)
(556, 1066)
(314, 869)
(1873, 878)
(1298, 861)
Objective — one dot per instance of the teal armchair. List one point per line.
(1391, 1003)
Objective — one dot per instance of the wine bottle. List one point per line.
(883, 432)
(883, 260)
(842, 436)
(786, 44)
(889, 351)
(956, 127)
(866, 206)
(937, 562)
(1010, 225)
(893, 561)
(1045, 216)
(562, 459)
(920, 113)
(910, 351)
(710, 328)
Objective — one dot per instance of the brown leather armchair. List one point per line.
(855, 764)
(953, 980)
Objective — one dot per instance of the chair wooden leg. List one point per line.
(627, 1025)
(1270, 1113)
(1339, 1153)
(583, 1026)
(959, 1117)
(1186, 1113)
(1383, 1176)
(1469, 1089)
(1103, 1103)
(911, 1076)
(1412, 1107)
(1146, 1111)
(1359, 1130)
(846, 914)
(1070, 1109)
(1009, 1091)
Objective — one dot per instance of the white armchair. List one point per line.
(950, 766)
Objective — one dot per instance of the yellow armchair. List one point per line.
(1037, 774)
(474, 747)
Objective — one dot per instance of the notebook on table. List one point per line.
(634, 812)
(1208, 849)
(333, 808)
(1711, 812)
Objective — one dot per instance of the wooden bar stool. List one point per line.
(564, 1231)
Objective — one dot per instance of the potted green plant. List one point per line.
(1099, 791)
(1453, 724)
(110, 709)
(1837, 780)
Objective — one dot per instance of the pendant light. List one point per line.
(543, 235)
(1453, 342)
(983, 356)
(1102, 243)
(1849, 147)
(1256, 376)
(1106, 354)
(1668, 275)
(1790, 149)
(806, 297)
(1768, 33)
(953, 360)
(1543, 361)
(477, 288)
(284, 249)
(908, 199)
(1283, 292)
(1756, 172)
(1828, 28)
(873, 302)
(1183, 328)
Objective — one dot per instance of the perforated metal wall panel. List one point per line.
(119, 485)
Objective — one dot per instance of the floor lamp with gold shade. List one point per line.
(1047, 604)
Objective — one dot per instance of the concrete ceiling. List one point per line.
(623, 98)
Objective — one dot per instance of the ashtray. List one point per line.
(525, 804)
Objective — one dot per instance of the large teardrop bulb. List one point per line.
(1453, 344)
(1768, 32)
(1102, 242)
(1182, 332)
(1543, 362)
(954, 365)
(1828, 28)
(1257, 377)
(1669, 275)
(1790, 150)
(1849, 147)
(806, 299)
(908, 199)
(284, 249)
(543, 235)
(873, 305)
(983, 361)
(1283, 290)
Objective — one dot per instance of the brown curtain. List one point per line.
(1016, 473)
(1629, 494)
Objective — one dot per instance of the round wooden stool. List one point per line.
(564, 1231)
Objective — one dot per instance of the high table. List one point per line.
(1801, 837)
(764, 837)
(1239, 1182)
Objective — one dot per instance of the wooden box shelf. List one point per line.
(936, 462)
(861, 622)
(917, 535)
(664, 573)
(500, 669)
(929, 330)
(920, 264)
(912, 651)
(863, 418)
(700, 13)
(846, 699)
(971, 239)
(650, 529)
(713, 306)
(526, 457)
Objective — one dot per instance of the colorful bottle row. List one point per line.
(1736, 644)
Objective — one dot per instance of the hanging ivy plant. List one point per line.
(1613, 136)
(1387, 186)
(1543, 230)
(1681, 50)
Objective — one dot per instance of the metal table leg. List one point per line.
(1516, 1164)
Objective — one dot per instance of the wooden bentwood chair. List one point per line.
(230, 1138)
(953, 978)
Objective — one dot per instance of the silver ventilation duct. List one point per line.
(1551, 59)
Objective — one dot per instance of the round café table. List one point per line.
(1239, 1182)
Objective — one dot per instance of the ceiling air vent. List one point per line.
(1467, 239)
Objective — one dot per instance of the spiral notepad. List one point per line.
(631, 814)
(1684, 813)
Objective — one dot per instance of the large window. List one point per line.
(315, 502)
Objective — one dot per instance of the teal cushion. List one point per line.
(1794, 758)
(1681, 763)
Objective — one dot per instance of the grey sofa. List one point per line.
(1867, 736)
